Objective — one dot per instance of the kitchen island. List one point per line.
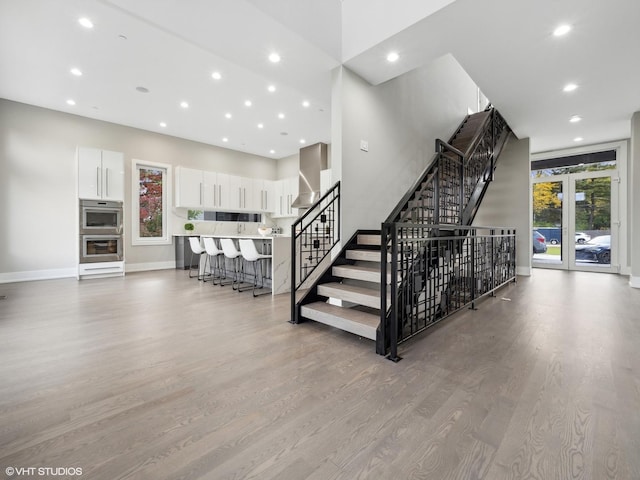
(277, 269)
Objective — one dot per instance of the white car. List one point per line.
(582, 237)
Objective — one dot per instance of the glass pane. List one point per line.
(547, 222)
(151, 184)
(593, 221)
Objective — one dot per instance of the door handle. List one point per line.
(107, 181)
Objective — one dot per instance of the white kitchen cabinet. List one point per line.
(263, 198)
(189, 188)
(100, 174)
(286, 191)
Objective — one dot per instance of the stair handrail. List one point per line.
(315, 212)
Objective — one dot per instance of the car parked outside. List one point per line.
(539, 242)
(582, 237)
(598, 249)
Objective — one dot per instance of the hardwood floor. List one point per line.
(156, 376)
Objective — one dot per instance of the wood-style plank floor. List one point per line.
(157, 376)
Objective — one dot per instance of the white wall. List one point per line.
(38, 204)
(401, 120)
(507, 200)
(634, 211)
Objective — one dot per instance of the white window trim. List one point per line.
(166, 239)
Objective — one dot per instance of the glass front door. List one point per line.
(573, 213)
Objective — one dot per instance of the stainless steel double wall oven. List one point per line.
(101, 238)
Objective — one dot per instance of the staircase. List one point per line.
(349, 295)
(354, 290)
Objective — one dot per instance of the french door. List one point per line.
(577, 215)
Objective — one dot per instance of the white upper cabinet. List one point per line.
(190, 188)
(100, 174)
(286, 191)
(205, 190)
(263, 199)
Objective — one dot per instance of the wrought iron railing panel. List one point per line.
(315, 234)
(439, 270)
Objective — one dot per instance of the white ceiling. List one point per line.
(173, 46)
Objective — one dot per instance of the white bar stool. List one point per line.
(250, 254)
(232, 253)
(213, 254)
(196, 249)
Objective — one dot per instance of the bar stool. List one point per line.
(250, 254)
(213, 254)
(232, 253)
(196, 249)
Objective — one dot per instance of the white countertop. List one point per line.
(215, 235)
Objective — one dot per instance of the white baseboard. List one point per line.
(29, 276)
(634, 281)
(523, 271)
(145, 267)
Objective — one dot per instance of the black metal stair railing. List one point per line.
(417, 233)
(313, 236)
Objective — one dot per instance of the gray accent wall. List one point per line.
(38, 198)
(400, 120)
(507, 202)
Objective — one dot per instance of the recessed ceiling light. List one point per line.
(562, 30)
(76, 71)
(142, 89)
(281, 116)
(302, 140)
(575, 119)
(272, 151)
(570, 87)
(225, 139)
(271, 88)
(260, 125)
(85, 22)
(306, 104)
(227, 115)
(216, 75)
(184, 104)
(71, 102)
(163, 125)
(393, 57)
(247, 103)
(578, 139)
(274, 57)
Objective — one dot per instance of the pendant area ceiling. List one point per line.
(143, 58)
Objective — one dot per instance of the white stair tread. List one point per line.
(358, 272)
(347, 319)
(352, 293)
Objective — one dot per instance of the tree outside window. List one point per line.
(150, 200)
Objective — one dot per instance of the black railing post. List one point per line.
(383, 340)
(393, 356)
(473, 269)
(294, 315)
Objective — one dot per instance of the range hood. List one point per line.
(313, 159)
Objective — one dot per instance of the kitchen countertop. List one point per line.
(217, 235)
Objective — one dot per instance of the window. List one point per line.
(150, 200)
